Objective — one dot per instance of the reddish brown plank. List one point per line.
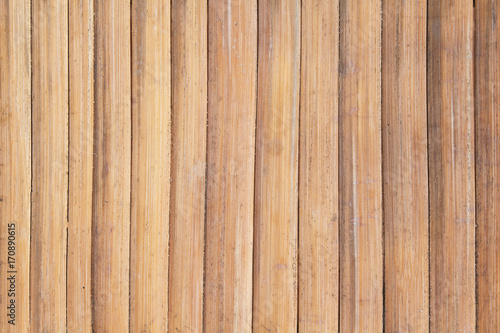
(276, 172)
(111, 183)
(231, 159)
(49, 197)
(81, 136)
(451, 166)
(318, 156)
(487, 134)
(404, 133)
(187, 197)
(150, 166)
(360, 178)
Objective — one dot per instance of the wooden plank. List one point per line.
(112, 159)
(15, 162)
(230, 157)
(405, 178)
(318, 180)
(360, 179)
(276, 172)
(451, 166)
(81, 136)
(50, 166)
(487, 134)
(150, 165)
(189, 137)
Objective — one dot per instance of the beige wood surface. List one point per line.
(15, 160)
(405, 179)
(487, 143)
(360, 167)
(188, 167)
(150, 166)
(81, 138)
(451, 166)
(276, 168)
(232, 68)
(112, 164)
(318, 181)
(49, 166)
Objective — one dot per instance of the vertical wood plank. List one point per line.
(487, 134)
(230, 157)
(15, 161)
(405, 179)
(451, 166)
(50, 166)
(81, 136)
(187, 196)
(276, 173)
(150, 165)
(361, 299)
(318, 173)
(112, 153)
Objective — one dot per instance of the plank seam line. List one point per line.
(31, 153)
(339, 221)
(475, 139)
(69, 157)
(170, 224)
(429, 257)
(207, 80)
(382, 160)
(170, 219)
(297, 250)
(255, 159)
(94, 165)
(131, 22)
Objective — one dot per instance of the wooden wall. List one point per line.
(249, 166)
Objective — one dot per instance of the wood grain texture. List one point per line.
(318, 181)
(112, 164)
(360, 174)
(451, 166)
(150, 165)
(15, 158)
(487, 143)
(231, 160)
(405, 178)
(81, 135)
(276, 171)
(50, 166)
(250, 165)
(188, 167)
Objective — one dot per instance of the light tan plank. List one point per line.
(81, 137)
(318, 173)
(15, 163)
(187, 196)
(487, 134)
(360, 179)
(112, 153)
(150, 165)
(230, 156)
(451, 166)
(405, 178)
(276, 173)
(50, 166)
